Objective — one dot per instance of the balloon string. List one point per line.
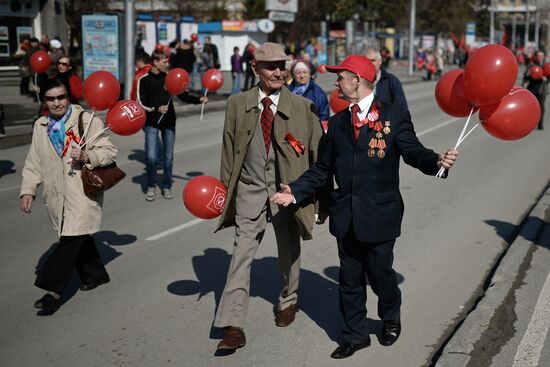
(94, 136)
(36, 84)
(162, 114)
(459, 140)
(83, 138)
(202, 108)
(468, 133)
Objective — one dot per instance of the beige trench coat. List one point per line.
(71, 212)
(295, 115)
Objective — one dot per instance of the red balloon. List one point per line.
(176, 81)
(322, 68)
(536, 72)
(204, 197)
(546, 69)
(324, 123)
(101, 90)
(450, 96)
(212, 79)
(489, 74)
(40, 61)
(194, 37)
(513, 117)
(127, 117)
(336, 103)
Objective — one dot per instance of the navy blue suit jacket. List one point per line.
(389, 89)
(367, 194)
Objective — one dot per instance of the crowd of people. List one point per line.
(278, 163)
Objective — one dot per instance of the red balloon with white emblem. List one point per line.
(127, 117)
(212, 80)
(204, 197)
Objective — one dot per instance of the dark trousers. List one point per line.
(249, 78)
(541, 98)
(72, 253)
(359, 260)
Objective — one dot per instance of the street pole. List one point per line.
(411, 36)
(526, 35)
(129, 37)
(537, 25)
(492, 23)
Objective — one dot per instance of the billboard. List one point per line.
(100, 41)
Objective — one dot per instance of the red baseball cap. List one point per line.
(357, 64)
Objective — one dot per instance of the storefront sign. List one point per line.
(290, 6)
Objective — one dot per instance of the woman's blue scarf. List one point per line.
(56, 131)
(300, 89)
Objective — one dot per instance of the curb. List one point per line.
(460, 348)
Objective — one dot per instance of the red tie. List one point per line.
(356, 122)
(267, 122)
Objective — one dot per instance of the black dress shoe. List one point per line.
(48, 303)
(89, 287)
(390, 333)
(347, 349)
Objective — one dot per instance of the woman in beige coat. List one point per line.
(54, 160)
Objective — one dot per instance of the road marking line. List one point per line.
(436, 127)
(10, 188)
(174, 230)
(529, 350)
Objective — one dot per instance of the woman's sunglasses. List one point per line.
(60, 97)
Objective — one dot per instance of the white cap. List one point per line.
(55, 43)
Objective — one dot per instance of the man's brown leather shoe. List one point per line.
(286, 316)
(233, 338)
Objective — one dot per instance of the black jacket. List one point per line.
(151, 95)
(367, 195)
(389, 89)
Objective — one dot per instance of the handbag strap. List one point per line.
(81, 126)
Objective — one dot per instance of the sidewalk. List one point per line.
(21, 110)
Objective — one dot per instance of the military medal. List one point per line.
(373, 115)
(381, 154)
(387, 129)
(379, 135)
(371, 153)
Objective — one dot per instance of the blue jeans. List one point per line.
(236, 83)
(168, 137)
(194, 73)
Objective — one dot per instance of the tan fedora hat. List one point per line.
(269, 52)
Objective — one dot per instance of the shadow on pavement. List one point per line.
(508, 231)
(104, 240)
(318, 295)
(6, 168)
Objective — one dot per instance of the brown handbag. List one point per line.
(98, 179)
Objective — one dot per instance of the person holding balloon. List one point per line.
(54, 161)
(536, 81)
(161, 118)
(362, 152)
(270, 136)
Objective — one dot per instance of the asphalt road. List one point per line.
(168, 269)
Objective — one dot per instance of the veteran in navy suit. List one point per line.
(361, 152)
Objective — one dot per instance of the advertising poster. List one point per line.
(146, 35)
(100, 40)
(166, 32)
(4, 35)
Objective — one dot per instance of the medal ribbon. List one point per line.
(70, 137)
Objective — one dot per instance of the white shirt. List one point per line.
(364, 106)
(274, 98)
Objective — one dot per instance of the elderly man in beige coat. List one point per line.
(55, 161)
(270, 137)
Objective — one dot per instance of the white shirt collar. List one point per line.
(364, 106)
(274, 98)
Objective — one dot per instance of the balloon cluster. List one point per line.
(487, 82)
(101, 92)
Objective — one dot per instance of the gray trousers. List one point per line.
(248, 236)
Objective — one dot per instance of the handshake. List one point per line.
(284, 197)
